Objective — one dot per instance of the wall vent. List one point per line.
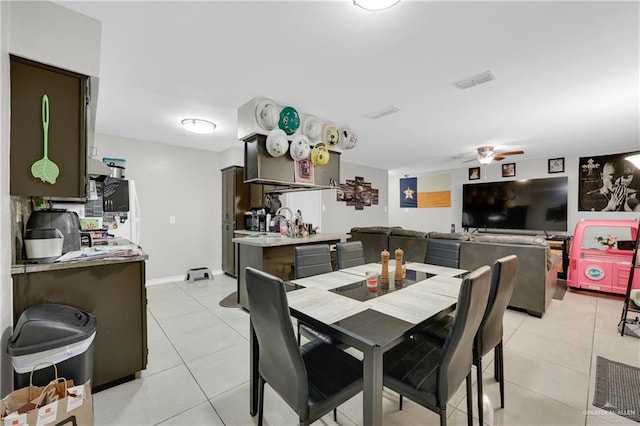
(384, 111)
(474, 80)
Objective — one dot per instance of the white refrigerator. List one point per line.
(129, 227)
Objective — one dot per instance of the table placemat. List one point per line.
(444, 286)
(329, 280)
(435, 269)
(413, 306)
(323, 305)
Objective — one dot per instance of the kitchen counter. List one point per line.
(273, 254)
(273, 239)
(109, 285)
(118, 250)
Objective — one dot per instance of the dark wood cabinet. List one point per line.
(67, 140)
(115, 294)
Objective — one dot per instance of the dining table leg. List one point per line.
(254, 356)
(372, 387)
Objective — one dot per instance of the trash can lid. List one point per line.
(47, 326)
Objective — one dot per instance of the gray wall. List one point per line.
(338, 217)
(47, 33)
(172, 181)
(440, 219)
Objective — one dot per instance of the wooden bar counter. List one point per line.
(273, 254)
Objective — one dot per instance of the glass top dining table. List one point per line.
(371, 319)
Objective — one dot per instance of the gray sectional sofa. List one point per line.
(536, 279)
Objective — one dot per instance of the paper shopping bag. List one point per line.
(73, 407)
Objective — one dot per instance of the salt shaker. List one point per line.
(384, 276)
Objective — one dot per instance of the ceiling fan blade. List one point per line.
(470, 160)
(503, 154)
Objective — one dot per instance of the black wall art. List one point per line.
(608, 183)
(358, 193)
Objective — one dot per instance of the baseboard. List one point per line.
(174, 278)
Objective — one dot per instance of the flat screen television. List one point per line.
(532, 204)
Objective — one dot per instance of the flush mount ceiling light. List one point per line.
(635, 160)
(375, 4)
(474, 80)
(196, 125)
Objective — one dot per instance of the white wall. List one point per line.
(440, 219)
(47, 33)
(5, 225)
(338, 217)
(172, 181)
(54, 35)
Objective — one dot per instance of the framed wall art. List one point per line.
(608, 183)
(474, 173)
(556, 165)
(509, 170)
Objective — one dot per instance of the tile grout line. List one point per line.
(184, 363)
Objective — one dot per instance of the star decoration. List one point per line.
(408, 193)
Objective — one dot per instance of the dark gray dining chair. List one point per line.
(309, 260)
(430, 374)
(312, 379)
(349, 254)
(490, 332)
(443, 253)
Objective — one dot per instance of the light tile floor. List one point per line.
(198, 372)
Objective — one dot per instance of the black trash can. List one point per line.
(52, 333)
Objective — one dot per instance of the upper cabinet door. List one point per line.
(50, 133)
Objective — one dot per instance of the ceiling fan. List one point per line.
(486, 155)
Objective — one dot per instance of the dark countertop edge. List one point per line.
(42, 267)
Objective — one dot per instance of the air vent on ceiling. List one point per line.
(474, 80)
(384, 111)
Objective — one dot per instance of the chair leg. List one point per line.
(400, 403)
(496, 362)
(298, 333)
(443, 415)
(480, 391)
(469, 401)
(501, 369)
(335, 415)
(260, 399)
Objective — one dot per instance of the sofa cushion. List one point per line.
(374, 229)
(460, 236)
(408, 233)
(511, 239)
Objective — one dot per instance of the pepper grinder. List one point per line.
(384, 276)
(398, 273)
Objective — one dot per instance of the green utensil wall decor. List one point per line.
(45, 169)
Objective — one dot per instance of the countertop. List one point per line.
(118, 250)
(273, 239)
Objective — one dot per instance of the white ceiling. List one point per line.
(567, 74)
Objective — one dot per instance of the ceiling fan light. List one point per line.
(196, 125)
(634, 159)
(484, 160)
(375, 4)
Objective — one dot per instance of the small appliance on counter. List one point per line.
(43, 245)
(67, 222)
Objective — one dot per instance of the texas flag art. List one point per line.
(425, 191)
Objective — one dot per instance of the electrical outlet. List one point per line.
(172, 219)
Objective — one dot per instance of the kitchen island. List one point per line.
(273, 254)
(109, 287)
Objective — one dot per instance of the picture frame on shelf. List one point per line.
(474, 173)
(509, 170)
(556, 165)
